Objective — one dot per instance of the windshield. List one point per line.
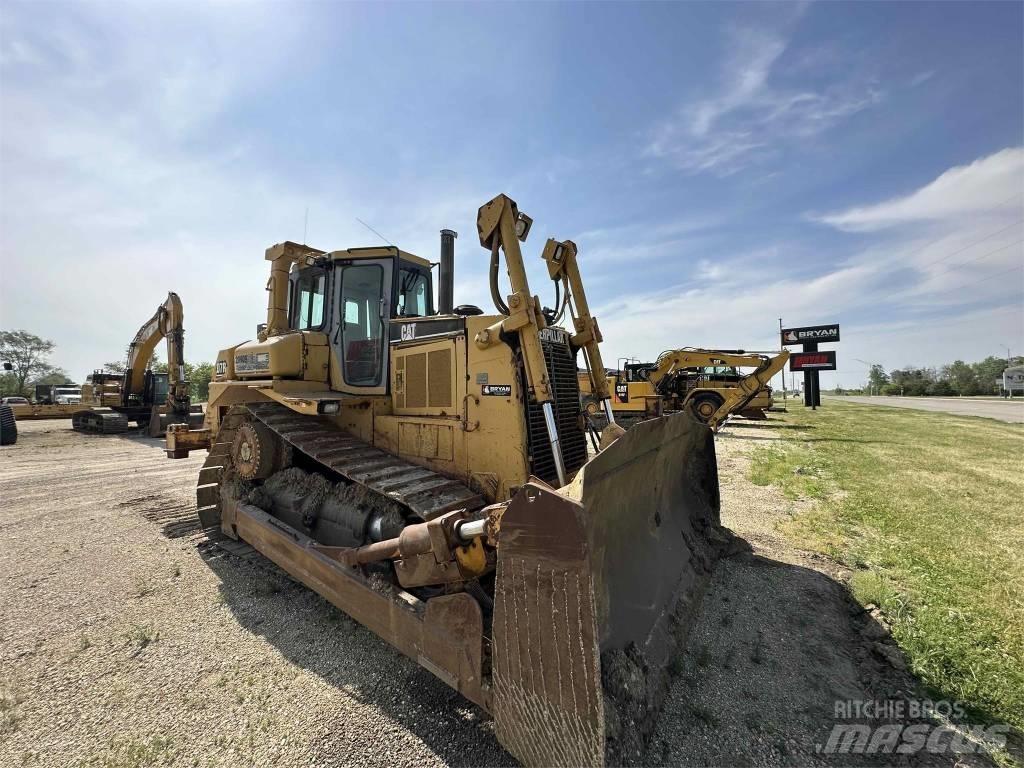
(412, 293)
(307, 300)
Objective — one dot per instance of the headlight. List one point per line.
(523, 224)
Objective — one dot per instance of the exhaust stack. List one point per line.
(446, 281)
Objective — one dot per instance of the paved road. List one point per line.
(1010, 411)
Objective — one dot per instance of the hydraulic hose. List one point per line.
(499, 302)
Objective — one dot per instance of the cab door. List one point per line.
(362, 308)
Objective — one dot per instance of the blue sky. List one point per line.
(719, 165)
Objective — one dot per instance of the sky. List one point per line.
(720, 166)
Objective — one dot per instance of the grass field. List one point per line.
(926, 508)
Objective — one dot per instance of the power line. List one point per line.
(930, 243)
(982, 280)
(976, 242)
(977, 258)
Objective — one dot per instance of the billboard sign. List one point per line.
(810, 334)
(813, 361)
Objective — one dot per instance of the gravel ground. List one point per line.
(124, 641)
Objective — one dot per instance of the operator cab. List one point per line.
(352, 296)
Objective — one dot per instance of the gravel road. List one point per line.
(126, 640)
(1010, 411)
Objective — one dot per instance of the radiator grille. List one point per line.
(561, 364)
(439, 378)
(416, 380)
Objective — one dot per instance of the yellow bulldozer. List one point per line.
(427, 471)
(706, 383)
(109, 401)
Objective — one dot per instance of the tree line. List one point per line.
(28, 356)
(956, 378)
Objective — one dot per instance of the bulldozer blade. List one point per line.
(596, 589)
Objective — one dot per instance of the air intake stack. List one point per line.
(446, 286)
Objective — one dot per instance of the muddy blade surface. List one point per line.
(595, 592)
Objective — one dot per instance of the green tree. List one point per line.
(910, 381)
(877, 378)
(962, 378)
(200, 377)
(988, 372)
(56, 376)
(27, 354)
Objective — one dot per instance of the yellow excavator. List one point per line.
(706, 383)
(150, 399)
(427, 472)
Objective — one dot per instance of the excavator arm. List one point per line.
(748, 387)
(735, 399)
(166, 323)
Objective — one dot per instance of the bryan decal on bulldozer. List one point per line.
(427, 472)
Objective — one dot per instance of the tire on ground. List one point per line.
(703, 406)
(8, 426)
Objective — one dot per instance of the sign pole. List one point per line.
(783, 372)
(810, 377)
(810, 361)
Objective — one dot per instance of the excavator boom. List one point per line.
(135, 397)
(704, 382)
(734, 398)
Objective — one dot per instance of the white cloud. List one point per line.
(749, 119)
(912, 297)
(744, 80)
(922, 77)
(962, 191)
(121, 180)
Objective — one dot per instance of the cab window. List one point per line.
(307, 301)
(412, 293)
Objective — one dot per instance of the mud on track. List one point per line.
(125, 635)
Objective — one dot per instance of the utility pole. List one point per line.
(1007, 365)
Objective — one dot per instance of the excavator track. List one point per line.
(424, 493)
(105, 421)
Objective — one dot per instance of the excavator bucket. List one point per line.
(596, 589)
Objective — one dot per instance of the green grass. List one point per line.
(927, 510)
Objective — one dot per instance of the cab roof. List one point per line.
(297, 253)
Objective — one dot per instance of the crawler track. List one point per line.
(423, 492)
(105, 421)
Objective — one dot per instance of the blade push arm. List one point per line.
(497, 223)
(561, 258)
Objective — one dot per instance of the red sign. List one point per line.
(813, 361)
